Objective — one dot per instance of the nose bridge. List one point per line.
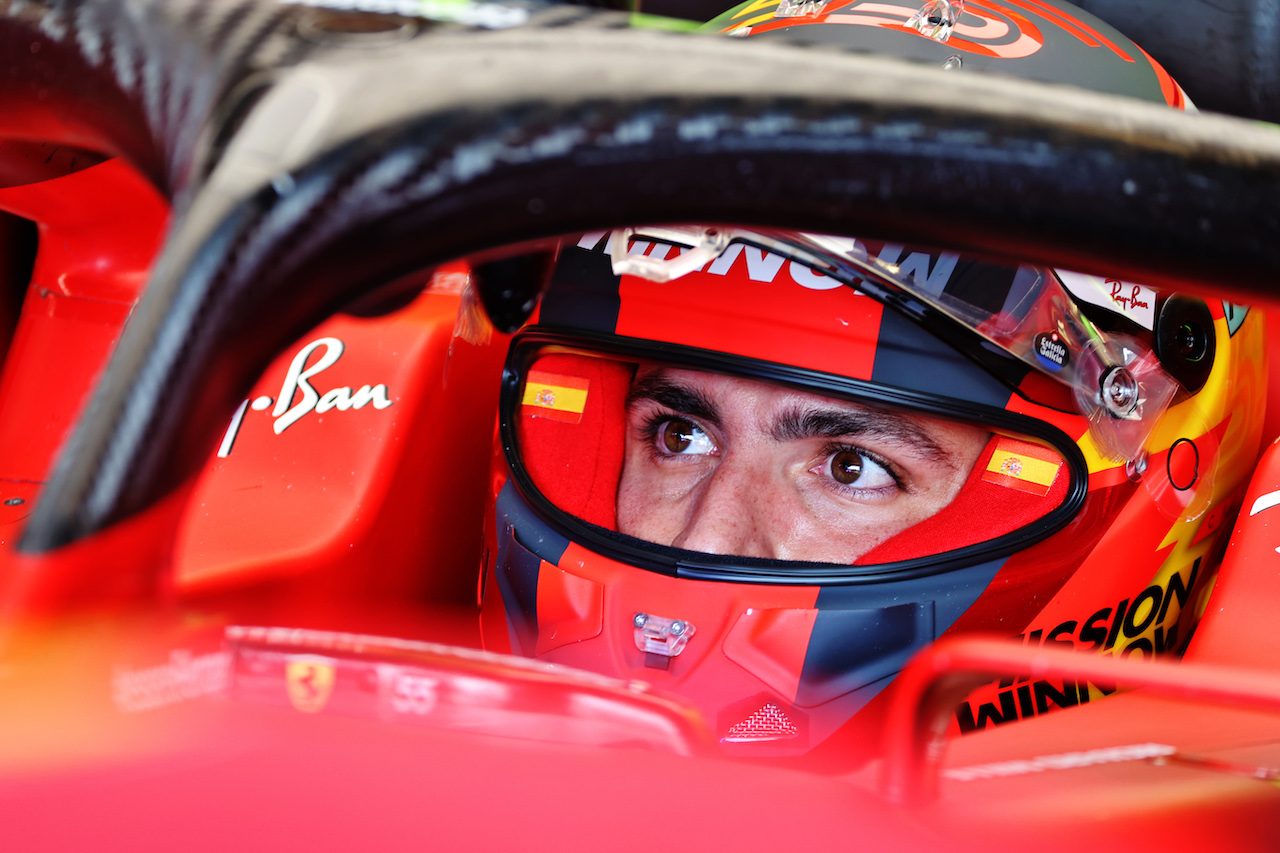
(727, 517)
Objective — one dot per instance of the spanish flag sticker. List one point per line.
(1024, 466)
(555, 396)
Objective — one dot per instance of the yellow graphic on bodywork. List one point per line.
(309, 682)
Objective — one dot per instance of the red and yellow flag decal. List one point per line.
(555, 396)
(1024, 466)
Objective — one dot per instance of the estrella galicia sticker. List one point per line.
(1051, 351)
(1235, 316)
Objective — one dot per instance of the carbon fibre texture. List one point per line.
(142, 78)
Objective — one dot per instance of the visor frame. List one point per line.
(533, 343)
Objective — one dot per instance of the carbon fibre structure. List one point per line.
(459, 140)
(112, 76)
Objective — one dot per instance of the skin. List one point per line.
(732, 466)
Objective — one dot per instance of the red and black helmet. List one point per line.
(762, 469)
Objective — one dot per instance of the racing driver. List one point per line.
(762, 469)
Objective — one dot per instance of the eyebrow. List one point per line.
(680, 398)
(799, 422)
(802, 423)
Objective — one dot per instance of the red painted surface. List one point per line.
(365, 501)
(1238, 626)
(941, 676)
(99, 230)
(1271, 424)
(345, 508)
(332, 506)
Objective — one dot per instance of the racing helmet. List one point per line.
(761, 469)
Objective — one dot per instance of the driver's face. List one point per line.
(731, 466)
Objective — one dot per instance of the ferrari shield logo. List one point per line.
(309, 681)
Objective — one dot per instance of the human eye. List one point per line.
(854, 470)
(677, 436)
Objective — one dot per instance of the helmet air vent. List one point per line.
(936, 19)
(768, 723)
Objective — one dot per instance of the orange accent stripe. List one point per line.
(1168, 87)
(1107, 478)
(1070, 24)
(1027, 28)
(967, 46)
(1067, 24)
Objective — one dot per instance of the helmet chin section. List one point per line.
(761, 468)
(775, 669)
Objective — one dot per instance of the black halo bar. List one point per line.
(312, 170)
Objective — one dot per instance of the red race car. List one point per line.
(838, 421)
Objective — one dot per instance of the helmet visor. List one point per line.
(693, 455)
(1022, 310)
